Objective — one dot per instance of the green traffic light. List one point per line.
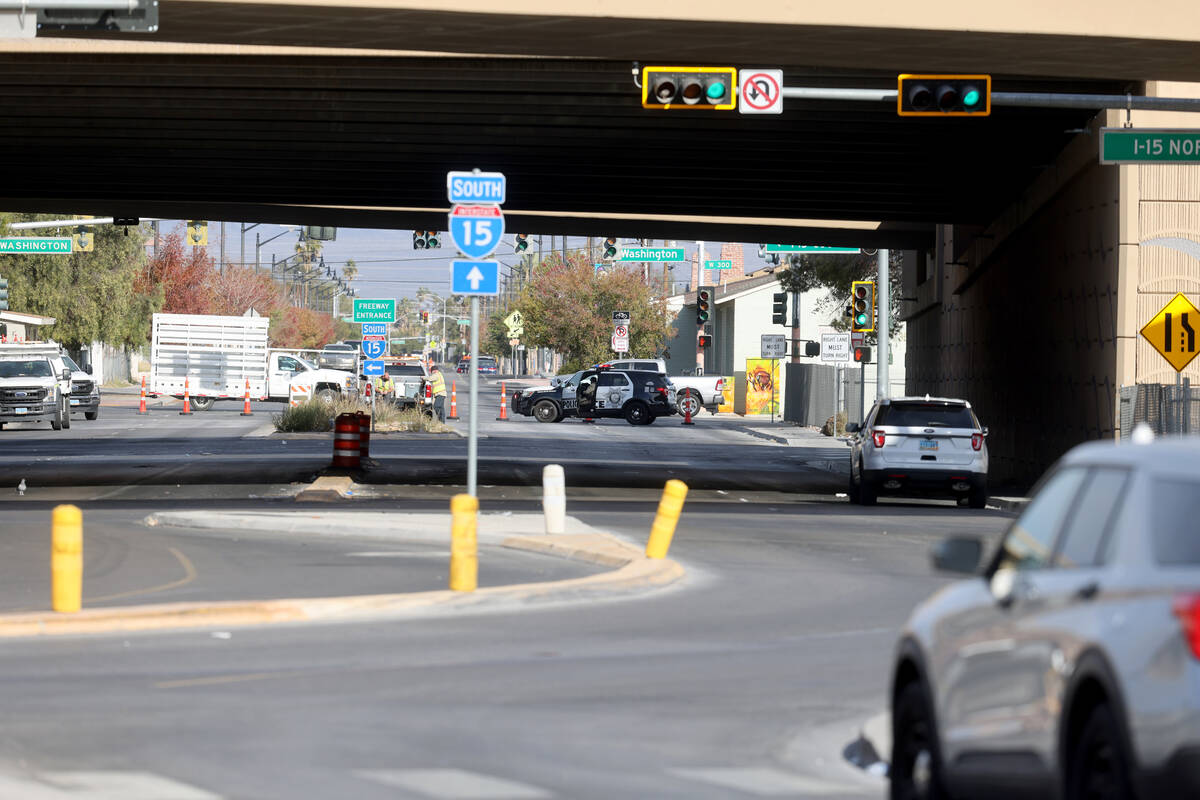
(860, 320)
(970, 97)
(716, 90)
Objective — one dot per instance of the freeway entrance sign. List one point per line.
(476, 230)
(475, 277)
(374, 310)
(652, 254)
(57, 245)
(807, 248)
(476, 187)
(1149, 146)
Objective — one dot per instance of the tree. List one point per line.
(184, 275)
(93, 296)
(239, 289)
(811, 271)
(569, 308)
(301, 328)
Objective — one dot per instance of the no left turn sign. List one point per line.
(760, 91)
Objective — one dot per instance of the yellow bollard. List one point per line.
(66, 558)
(464, 561)
(669, 509)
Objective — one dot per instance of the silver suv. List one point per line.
(919, 446)
(1070, 666)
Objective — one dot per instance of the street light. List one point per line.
(258, 244)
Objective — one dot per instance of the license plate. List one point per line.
(928, 445)
(74, 402)
(20, 410)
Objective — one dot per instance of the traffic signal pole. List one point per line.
(883, 326)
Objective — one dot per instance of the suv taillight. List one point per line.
(1187, 608)
(976, 441)
(880, 437)
(720, 384)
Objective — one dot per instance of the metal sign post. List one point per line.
(473, 415)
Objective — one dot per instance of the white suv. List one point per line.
(919, 446)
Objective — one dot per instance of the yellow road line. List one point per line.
(189, 576)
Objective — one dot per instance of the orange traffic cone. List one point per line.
(246, 412)
(453, 400)
(187, 400)
(687, 414)
(503, 402)
(142, 400)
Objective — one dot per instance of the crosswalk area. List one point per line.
(434, 783)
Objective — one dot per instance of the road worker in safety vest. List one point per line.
(439, 392)
(385, 389)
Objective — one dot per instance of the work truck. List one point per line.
(217, 357)
(35, 384)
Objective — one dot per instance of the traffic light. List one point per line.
(862, 355)
(779, 308)
(3, 294)
(712, 88)
(425, 240)
(425, 317)
(197, 233)
(704, 340)
(944, 95)
(84, 239)
(522, 243)
(703, 304)
(320, 234)
(862, 301)
(610, 248)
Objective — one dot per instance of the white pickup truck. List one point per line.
(218, 356)
(35, 384)
(692, 392)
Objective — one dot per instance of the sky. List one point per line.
(388, 267)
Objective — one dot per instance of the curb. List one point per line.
(633, 572)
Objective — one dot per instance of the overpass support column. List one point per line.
(883, 326)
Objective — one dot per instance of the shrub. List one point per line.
(310, 417)
(829, 430)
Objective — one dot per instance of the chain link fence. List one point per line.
(1169, 409)
(815, 391)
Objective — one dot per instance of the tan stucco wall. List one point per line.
(1157, 201)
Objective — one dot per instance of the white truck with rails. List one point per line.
(216, 357)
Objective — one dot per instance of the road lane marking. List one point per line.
(458, 784)
(764, 781)
(123, 785)
(189, 576)
(218, 680)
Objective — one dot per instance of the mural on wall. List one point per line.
(727, 395)
(762, 386)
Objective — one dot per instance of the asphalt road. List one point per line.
(222, 447)
(744, 681)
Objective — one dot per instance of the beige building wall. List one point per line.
(1036, 319)
(1160, 244)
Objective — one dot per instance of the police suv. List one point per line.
(638, 396)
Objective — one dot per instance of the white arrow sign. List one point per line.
(474, 277)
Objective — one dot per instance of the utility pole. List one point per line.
(795, 327)
(883, 326)
(222, 269)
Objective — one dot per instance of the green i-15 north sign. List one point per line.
(1149, 146)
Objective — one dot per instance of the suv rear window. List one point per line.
(1176, 507)
(926, 415)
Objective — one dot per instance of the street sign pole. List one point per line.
(883, 327)
(473, 418)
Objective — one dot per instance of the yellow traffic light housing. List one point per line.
(936, 95)
(862, 306)
(710, 88)
(197, 233)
